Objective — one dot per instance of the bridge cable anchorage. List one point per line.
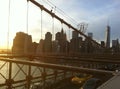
(63, 21)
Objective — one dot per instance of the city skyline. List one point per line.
(96, 13)
(23, 44)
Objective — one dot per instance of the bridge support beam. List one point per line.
(9, 81)
(29, 78)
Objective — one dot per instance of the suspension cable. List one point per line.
(9, 5)
(62, 12)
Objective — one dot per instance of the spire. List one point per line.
(108, 27)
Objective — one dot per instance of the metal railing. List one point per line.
(22, 74)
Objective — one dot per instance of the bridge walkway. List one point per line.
(113, 83)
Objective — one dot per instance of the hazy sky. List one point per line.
(97, 13)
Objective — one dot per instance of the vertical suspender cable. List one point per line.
(69, 34)
(41, 23)
(53, 28)
(8, 25)
(69, 41)
(52, 31)
(25, 48)
(27, 16)
(61, 26)
(7, 68)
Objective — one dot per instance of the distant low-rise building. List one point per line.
(102, 43)
(115, 46)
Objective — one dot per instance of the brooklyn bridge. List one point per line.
(63, 54)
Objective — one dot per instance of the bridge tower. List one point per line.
(82, 27)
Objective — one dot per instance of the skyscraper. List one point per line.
(61, 41)
(48, 42)
(22, 43)
(107, 44)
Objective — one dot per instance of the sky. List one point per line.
(96, 13)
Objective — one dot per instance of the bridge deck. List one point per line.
(113, 83)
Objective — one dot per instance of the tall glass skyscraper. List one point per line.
(107, 37)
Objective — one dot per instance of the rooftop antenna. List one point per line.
(107, 22)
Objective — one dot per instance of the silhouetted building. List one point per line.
(102, 43)
(34, 47)
(115, 46)
(55, 47)
(62, 41)
(89, 48)
(60, 36)
(28, 44)
(107, 44)
(75, 43)
(48, 42)
(22, 43)
(40, 47)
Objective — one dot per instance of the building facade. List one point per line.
(22, 43)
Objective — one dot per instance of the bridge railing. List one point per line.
(22, 74)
